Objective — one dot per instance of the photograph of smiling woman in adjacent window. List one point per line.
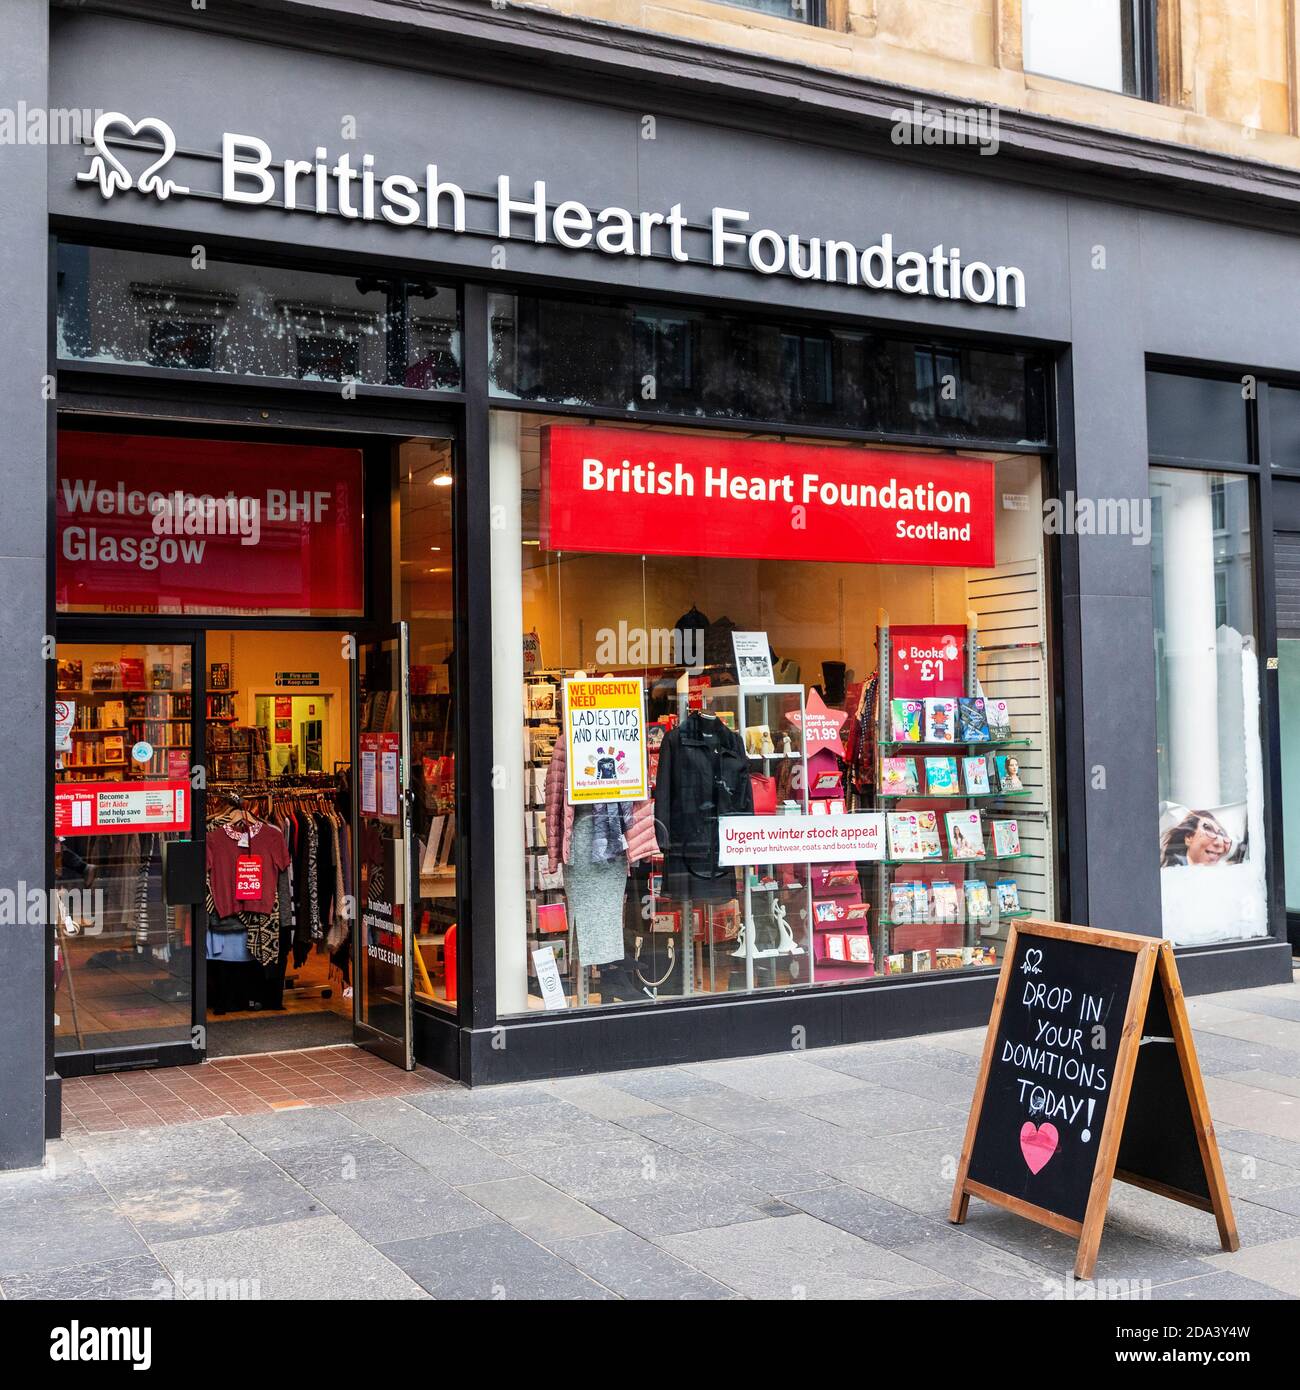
(1198, 838)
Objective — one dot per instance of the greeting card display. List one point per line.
(859, 948)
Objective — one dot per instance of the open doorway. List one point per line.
(278, 727)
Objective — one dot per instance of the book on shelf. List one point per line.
(103, 675)
(132, 670)
(972, 719)
(965, 835)
(975, 775)
(1008, 773)
(941, 776)
(69, 674)
(998, 713)
(979, 905)
(1006, 837)
(906, 719)
(947, 901)
(898, 777)
(1008, 895)
(914, 835)
(902, 903)
(940, 719)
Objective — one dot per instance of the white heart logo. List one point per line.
(109, 171)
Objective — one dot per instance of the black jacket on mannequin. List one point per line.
(703, 774)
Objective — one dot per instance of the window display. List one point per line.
(825, 788)
(1209, 750)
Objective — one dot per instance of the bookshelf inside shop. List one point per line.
(948, 777)
(122, 705)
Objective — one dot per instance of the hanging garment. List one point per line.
(703, 774)
(258, 844)
(594, 889)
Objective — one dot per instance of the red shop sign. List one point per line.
(120, 808)
(927, 660)
(157, 525)
(641, 492)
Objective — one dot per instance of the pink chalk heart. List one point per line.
(1038, 1145)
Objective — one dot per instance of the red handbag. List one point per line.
(764, 793)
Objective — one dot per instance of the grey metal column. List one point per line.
(26, 733)
(1106, 586)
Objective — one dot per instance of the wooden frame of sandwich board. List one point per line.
(1154, 962)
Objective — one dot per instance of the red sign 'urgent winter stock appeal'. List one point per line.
(642, 492)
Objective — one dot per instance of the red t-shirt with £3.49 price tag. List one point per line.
(244, 876)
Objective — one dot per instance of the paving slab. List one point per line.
(320, 1257)
(798, 1257)
(490, 1262)
(634, 1268)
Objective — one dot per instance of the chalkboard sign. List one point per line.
(1089, 1073)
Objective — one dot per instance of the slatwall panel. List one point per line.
(1286, 562)
(1008, 601)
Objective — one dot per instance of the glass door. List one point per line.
(383, 839)
(127, 901)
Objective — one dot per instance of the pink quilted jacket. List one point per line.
(642, 841)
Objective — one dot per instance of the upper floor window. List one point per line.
(803, 11)
(1097, 43)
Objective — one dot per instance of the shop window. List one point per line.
(1284, 426)
(644, 359)
(1209, 752)
(696, 667)
(1195, 418)
(145, 309)
(801, 11)
(177, 343)
(1097, 43)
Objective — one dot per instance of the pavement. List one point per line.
(818, 1174)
